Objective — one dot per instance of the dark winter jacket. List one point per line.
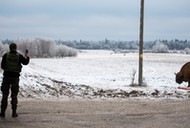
(13, 70)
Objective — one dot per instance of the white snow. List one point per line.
(102, 69)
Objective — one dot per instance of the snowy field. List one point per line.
(93, 73)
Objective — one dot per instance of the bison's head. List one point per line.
(179, 77)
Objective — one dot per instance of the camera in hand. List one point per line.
(26, 52)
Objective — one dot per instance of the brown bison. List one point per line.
(183, 74)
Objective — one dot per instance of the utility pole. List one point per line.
(141, 44)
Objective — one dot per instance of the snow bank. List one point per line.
(96, 74)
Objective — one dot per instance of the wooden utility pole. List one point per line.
(141, 44)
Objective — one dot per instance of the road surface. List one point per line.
(99, 114)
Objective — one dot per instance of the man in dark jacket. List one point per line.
(11, 64)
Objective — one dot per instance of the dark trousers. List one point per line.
(7, 84)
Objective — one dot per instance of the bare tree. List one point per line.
(160, 48)
(3, 48)
(44, 48)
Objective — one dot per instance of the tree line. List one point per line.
(154, 46)
(60, 48)
(39, 48)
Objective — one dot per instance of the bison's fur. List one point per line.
(184, 74)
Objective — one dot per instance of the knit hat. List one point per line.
(12, 47)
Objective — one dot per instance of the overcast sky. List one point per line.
(94, 19)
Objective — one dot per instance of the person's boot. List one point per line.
(2, 114)
(14, 108)
(14, 114)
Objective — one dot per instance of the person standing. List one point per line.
(11, 63)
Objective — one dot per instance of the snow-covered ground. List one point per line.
(103, 74)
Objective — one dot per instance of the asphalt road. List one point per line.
(99, 114)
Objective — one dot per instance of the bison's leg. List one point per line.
(188, 83)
